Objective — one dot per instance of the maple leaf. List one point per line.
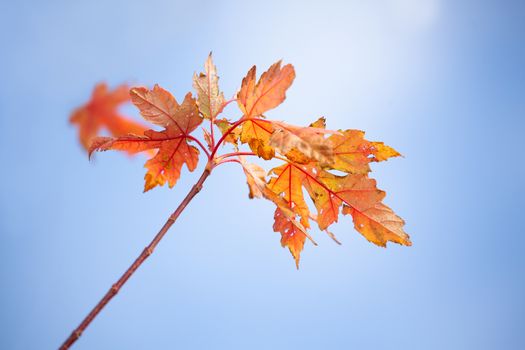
(101, 112)
(293, 233)
(256, 98)
(288, 184)
(256, 180)
(210, 99)
(160, 107)
(269, 92)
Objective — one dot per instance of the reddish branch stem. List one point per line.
(236, 154)
(228, 161)
(138, 262)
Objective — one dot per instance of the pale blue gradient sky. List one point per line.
(441, 81)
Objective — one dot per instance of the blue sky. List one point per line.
(441, 81)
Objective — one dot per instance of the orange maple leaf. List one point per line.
(160, 107)
(101, 112)
(256, 98)
(269, 92)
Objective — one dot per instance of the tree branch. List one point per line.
(138, 262)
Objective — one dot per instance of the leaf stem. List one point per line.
(228, 161)
(148, 250)
(200, 145)
(235, 154)
(211, 134)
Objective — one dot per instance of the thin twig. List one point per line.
(138, 262)
(235, 154)
(228, 161)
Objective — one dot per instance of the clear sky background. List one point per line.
(441, 81)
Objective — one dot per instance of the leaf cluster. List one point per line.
(328, 168)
